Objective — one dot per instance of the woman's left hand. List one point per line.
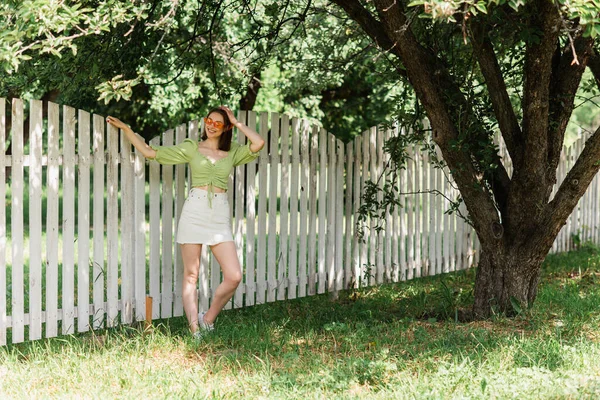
(230, 115)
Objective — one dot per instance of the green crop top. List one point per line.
(204, 171)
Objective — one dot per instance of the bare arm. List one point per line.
(136, 140)
(256, 141)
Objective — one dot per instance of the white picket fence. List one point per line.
(294, 212)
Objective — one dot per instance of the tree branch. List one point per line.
(594, 65)
(530, 188)
(507, 119)
(574, 186)
(567, 78)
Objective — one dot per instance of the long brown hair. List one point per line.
(225, 138)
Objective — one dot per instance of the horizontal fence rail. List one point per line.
(87, 224)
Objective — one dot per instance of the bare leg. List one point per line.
(226, 255)
(190, 253)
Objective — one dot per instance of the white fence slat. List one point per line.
(304, 215)
(140, 236)
(98, 269)
(238, 218)
(403, 185)
(388, 232)
(373, 242)
(35, 220)
(396, 227)
(294, 200)
(155, 260)
(417, 211)
(322, 210)
(339, 217)
(433, 213)
(273, 191)
(364, 243)
(112, 227)
(251, 221)
(166, 306)
(312, 222)
(180, 135)
(126, 250)
(261, 266)
(18, 310)
(440, 201)
(52, 224)
(410, 223)
(3, 301)
(282, 264)
(83, 223)
(447, 228)
(68, 220)
(348, 196)
(425, 224)
(379, 168)
(331, 202)
(356, 245)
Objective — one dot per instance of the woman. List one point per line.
(205, 218)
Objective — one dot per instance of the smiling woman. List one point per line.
(205, 216)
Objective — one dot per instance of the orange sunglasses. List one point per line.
(216, 124)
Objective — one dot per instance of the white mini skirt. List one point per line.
(205, 219)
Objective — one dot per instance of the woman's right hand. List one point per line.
(117, 123)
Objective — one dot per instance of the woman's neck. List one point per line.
(212, 143)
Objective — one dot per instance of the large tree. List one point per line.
(517, 66)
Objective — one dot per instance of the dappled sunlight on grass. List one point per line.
(394, 341)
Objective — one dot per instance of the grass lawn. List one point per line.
(394, 341)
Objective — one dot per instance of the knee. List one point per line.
(235, 278)
(190, 278)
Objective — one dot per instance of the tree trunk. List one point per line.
(506, 282)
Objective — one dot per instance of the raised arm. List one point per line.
(256, 141)
(135, 139)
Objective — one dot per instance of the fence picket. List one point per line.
(364, 177)
(155, 260)
(35, 220)
(410, 223)
(331, 202)
(126, 231)
(349, 163)
(251, 221)
(52, 226)
(98, 269)
(180, 170)
(356, 244)
(339, 209)
(68, 218)
(112, 227)
(83, 223)
(312, 224)
(378, 172)
(322, 210)
(272, 256)
(303, 225)
(282, 264)
(166, 304)
(261, 267)
(294, 201)
(18, 310)
(238, 221)
(139, 236)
